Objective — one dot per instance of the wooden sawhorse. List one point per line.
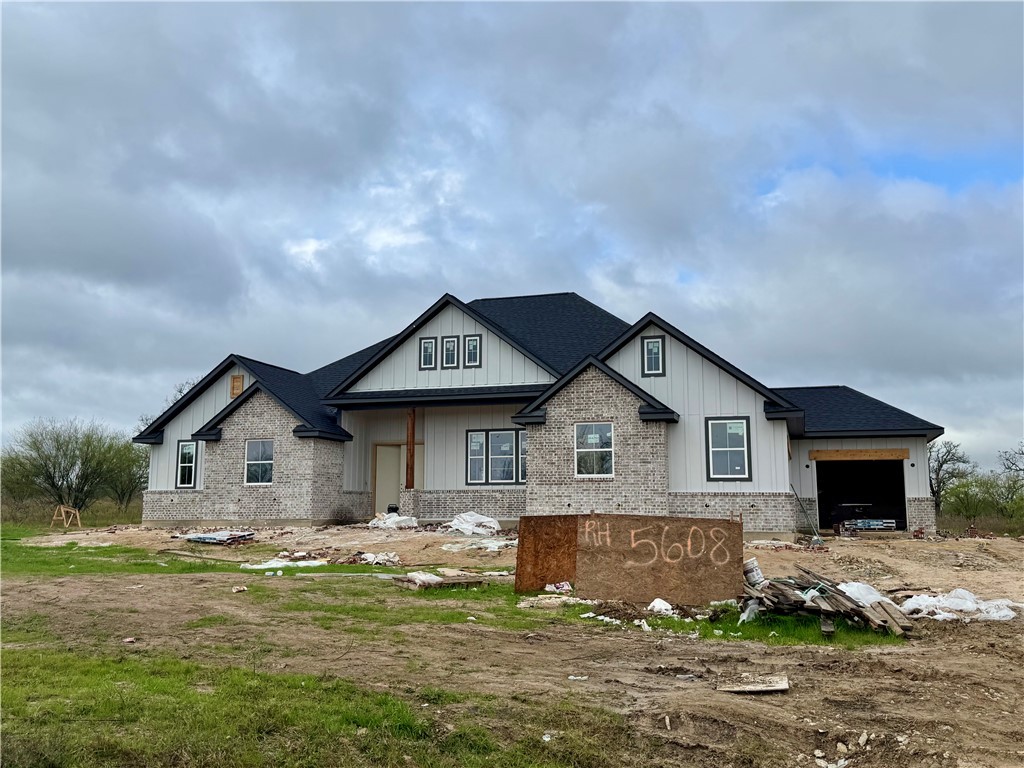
(67, 516)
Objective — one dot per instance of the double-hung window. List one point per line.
(652, 356)
(259, 462)
(428, 353)
(471, 351)
(729, 448)
(449, 351)
(186, 477)
(595, 450)
(495, 456)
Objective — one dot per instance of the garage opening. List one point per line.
(852, 490)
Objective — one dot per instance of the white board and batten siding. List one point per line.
(370, 428)
(163, 458)
(696, 388)
(915, 478)
(442, 432)
(502, 364)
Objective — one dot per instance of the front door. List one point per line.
(389, 475)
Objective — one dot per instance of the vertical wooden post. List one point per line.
(410, 450)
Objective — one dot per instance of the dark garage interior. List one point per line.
(850, 490)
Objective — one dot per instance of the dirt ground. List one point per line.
(951, 696)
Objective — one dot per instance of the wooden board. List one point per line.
(861, 454)
(636, 558)
(546, 553)
(755, 684)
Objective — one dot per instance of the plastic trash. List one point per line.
(276, 563)
(562, 586)
(488, 545)
(960, 604)
(381, 558)
(394, 521)
(660, 607)
(423, 578)
(865, 594)
(750, 612)
(473, 524)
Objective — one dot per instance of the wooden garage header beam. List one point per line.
(861, 454)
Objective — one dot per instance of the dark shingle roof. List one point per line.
(327, 377)
(295, 390)
(559, 328)
(837, 409)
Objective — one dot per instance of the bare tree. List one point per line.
(1013, 460)
(947, 464)
(128, 472)
(67, 462)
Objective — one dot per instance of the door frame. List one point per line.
(373, 469)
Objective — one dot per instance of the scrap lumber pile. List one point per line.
(814, 594)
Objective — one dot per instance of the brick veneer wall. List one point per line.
(761, 511)
(502, 504)
(921, 513)
(307, 478)
(640, 484)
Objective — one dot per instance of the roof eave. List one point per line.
(302, 431)
(154, 438)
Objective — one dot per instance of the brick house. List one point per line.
(531, 405)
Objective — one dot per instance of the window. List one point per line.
(449, 351)
(471, 352)
(594, 451)
(652, 352)
(259, 462)
(237, 385)
(428, 354)
(728, 449)
(496, 456)
(186, 465)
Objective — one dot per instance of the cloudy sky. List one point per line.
(821, 193)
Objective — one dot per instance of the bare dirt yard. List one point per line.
(952, 695)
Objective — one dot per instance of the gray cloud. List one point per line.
(293, 182)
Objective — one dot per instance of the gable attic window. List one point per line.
(595, 452)
(428, 353)
(186, 476)
(259, 462)
(471, 353)
(449, 351)
(729, 448)
(652, 356)
(237, 385)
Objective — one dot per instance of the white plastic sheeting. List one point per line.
(277, 563)
(488, 545)
(392, 520)
(381, 558)
(660, 607)
(423, 578)
(960, 605)
(473, 524)
(865, 594)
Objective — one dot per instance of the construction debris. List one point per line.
(472, 524)
(224, 538)
(395, 521)
(748, 683)
(960, 605)
(278, 563)
(423, 580)
(815, 594)
(236, 590)
(488, 545)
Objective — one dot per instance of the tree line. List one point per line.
(961, 489)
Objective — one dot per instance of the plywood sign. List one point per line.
(547, 551)
(636, 558)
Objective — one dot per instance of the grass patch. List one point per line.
(1011, 526)
(30, 628)
(65, 709)
(214, 620)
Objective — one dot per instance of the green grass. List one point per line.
(66, 709)
(985, 524)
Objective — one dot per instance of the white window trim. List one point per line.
(746, 448)
(644, 370)
(246, 462)
(444, 352)
(432, 340)
(514, 456)
(479, 350)
(577, 450)
(469, 457)
(194, 465)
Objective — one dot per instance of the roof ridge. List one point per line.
(269, 365)
(529, 296)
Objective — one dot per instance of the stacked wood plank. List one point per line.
(814, 594)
